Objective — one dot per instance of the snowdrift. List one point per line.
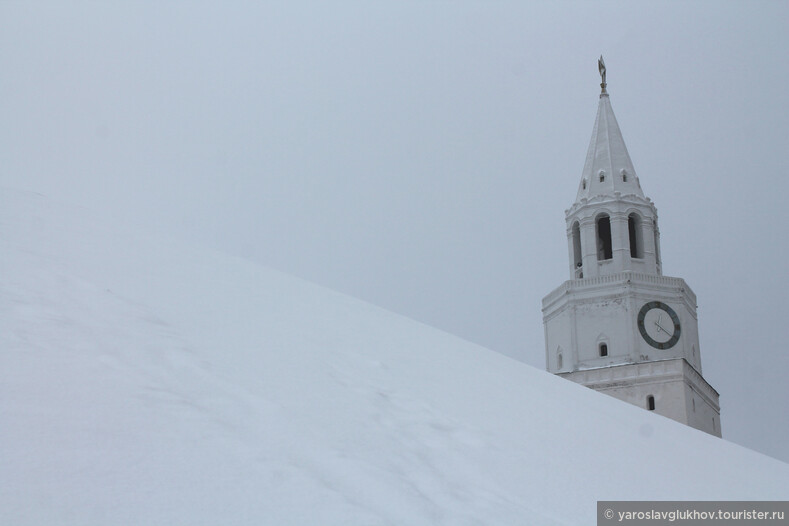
(147, 382)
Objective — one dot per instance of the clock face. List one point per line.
(659, 325)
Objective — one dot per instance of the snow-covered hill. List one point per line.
(142, 382)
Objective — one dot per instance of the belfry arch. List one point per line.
(635, 235)
(605, 247)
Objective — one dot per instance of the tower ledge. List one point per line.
(626, 278)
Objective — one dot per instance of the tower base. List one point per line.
(671, 388)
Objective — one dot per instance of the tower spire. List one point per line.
(608, 168)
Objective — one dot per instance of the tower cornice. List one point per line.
(617, 283)
(612, 202)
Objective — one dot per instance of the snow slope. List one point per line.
(143, 382)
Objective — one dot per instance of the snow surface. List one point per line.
(145, 382)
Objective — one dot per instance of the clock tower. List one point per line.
(618, 325)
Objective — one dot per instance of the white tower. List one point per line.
(620, 326)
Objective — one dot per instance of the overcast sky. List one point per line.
(420, 155)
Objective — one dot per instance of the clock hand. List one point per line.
(661, 328)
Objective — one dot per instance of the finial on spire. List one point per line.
(601, 69)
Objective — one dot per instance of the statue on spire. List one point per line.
(601, 69)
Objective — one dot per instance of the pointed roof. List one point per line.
(608, 167)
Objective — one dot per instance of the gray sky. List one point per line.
(420, 155)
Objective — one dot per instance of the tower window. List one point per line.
(604, 248)
(583, 184)
(602, 176)
(651, 403)
(634, 231)
(624, 175)
(559, 360)
(603, 349)
(694, 405)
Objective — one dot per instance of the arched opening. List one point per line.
(651, 403)
(559, 360)
(694, 405)
(604, 247)
(624, 175)
(602, 176)
(603, 349)
(577, 257)
(634, 230)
